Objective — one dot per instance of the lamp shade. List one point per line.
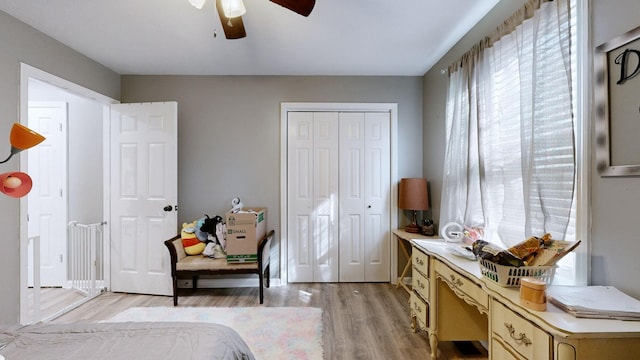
(413, 194)
(233, 8)
(23, 138)
(15, 184)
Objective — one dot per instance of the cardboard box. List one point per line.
(244, 230)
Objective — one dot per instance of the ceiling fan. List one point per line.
(231, 11)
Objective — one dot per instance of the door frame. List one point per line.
(285, 108)
(29, 72)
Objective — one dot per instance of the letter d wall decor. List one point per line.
(617, 105)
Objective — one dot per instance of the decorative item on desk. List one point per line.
(452, 232)
(427, 228)
(413, 195)
(533, 294)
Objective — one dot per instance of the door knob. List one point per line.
(168, 208)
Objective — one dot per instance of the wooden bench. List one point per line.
(185, 266)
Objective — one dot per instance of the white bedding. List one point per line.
(130, 340)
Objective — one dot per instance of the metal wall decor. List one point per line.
(617, 105)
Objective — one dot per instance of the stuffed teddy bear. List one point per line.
(190, 242)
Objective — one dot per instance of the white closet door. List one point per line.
(365, 193)
(312, 197)
(377, 174)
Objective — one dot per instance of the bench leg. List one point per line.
(175, 291)
(261, 283)
(267, 274)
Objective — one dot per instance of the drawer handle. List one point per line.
(419, 261)
(521, 339)
(455, 281)
(420, 284)
(417, 308)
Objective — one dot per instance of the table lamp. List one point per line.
(413, 195)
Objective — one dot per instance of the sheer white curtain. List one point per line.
(510, 136)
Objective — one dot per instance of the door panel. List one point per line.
(312, 193)
(46, 201)
(143, 182)
(325, 185)
(377, 237)
(365, 193)
(300, 221)
(352, 197)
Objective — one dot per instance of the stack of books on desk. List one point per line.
(601, 302)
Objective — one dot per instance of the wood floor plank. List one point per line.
(360, 320)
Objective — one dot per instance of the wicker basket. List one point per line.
(509, 276)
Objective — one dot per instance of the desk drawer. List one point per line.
(500, 352)
(421, 285)
(420, 261)
(463, 286)
(519, 334)
(420, 309)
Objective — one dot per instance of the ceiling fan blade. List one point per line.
(302, 7)
(233, 27)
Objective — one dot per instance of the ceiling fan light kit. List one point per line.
(233, 8)
(231, 11)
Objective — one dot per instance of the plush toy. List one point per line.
(201, 233)
(190, 242)
(211, 226)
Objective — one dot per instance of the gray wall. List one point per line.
(229, 132)
(614, 201)
(615, 240)
(21, 43)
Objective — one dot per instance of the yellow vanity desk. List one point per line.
(453, 302)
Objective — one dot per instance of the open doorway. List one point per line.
(68, 189)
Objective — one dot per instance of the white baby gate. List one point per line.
(85, 258)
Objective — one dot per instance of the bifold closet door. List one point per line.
(312, 197)
(365, 197)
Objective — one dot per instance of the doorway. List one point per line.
(79, 198)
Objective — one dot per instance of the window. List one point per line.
(513, 161)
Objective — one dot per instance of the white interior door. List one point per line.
(144, 195)
(46, 201)
(365, 195)
(313, 197)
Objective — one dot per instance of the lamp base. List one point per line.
(412, 228)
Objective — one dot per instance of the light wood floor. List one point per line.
(360, 320)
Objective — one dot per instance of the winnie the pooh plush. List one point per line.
(190, 242)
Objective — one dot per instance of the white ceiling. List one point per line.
(340, 37)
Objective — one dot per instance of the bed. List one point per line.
(128, 340)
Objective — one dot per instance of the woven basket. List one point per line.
(509, 276)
